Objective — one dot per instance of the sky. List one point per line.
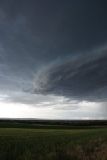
(53, 59)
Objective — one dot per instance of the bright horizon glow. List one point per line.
(16, 110)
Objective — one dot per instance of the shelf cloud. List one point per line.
(82, 77)
(53, 56)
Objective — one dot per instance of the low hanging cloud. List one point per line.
(82, 78)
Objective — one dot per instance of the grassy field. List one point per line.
(53, 144)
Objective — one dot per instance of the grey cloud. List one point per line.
(49, 101)
(82, 77)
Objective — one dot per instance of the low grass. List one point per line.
(53, 144)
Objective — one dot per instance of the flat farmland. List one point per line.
(53, 144)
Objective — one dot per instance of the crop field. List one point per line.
(53, 144)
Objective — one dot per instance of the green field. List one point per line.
(53, 144)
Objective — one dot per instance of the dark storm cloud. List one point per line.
(82, 77)
(44, 30)
(36, 33)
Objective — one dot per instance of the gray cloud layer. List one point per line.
(56, 34)
(82, 77)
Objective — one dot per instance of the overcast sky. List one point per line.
(53, 59)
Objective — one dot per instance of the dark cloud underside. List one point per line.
(83, 78)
